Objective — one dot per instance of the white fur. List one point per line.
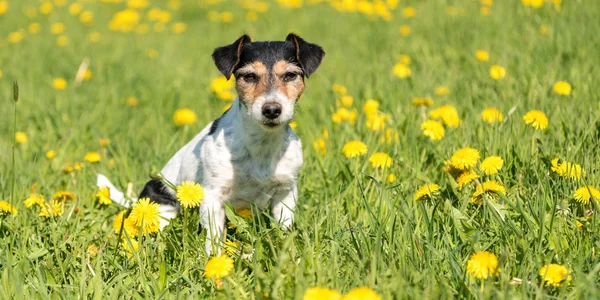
(244, 163)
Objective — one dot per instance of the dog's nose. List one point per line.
(271, 110)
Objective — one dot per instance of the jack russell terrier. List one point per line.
(249, 157)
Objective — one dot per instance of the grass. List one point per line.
(352, 227)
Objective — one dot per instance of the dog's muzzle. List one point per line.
(271, 110)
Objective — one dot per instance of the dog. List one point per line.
(249, 157)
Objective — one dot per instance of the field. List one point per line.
(474, 170)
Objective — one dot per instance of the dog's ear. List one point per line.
(308, 55)
(226, 58)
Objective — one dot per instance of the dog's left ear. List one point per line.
(226, 58)
(308, 55)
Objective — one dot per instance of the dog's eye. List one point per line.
(250, 77)
(289, 76)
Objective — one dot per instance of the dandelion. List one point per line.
(482, 265)
(482, 55)
(75, 9)
(92, 250)
(244, 213)
(94, 36)
(132, 101)
(497, 72)
(21, 137)
(86, 18)
(320, 293)
(130, 246)
(433, 130)
(354, 149)
(63, 196)
(184, 116)
(465, 178)
(491, 115)
(562, 88)
(381, 160)
(409, 12)
(34, 28)
(404, 59)
(346, 101)
(565, 169)
(554, 274)
(34, 200)
(16, 36)
(343, 114)
(465, 158)
(178, 27)
(54, 209)
(57, 28)
(448, 114)
(103, 196)
(537, 119)
(489, 186)
(59, 83)
(218, 266)
(422, 101)
(442, 90)
(376, 121)
(92, 157)
(371, 107)
(231, 247)
(128, 225)
(7, 209)
(361, 293)
(338, 88)
(402, 71)
(320, 147)
(584, 194)
(190, 194)
(145, 215)
(491, 165)
(427, 191)
(391, 178)
(3, 7)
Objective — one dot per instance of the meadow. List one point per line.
(450, 149)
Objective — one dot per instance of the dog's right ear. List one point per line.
(226, 58)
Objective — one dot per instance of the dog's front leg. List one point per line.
(212, 217)
(283, 206)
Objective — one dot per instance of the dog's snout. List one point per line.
(271, 110)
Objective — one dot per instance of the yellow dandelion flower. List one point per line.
(343, 114)
(433, 130)
(244, 213)
(16, 36)
(63, 196)
(565, 169)
(34, 28)
(381, 160)
(562, 88)
(129, 227)
(59, 83)
(145, 215)
(390, 136)
(231, 247)
(442, 90)
(409, 11)
(320, 293)
(130, 246)
(57, 28)
(87, 75)
(497, 72)
(377, 121)
(3, 7)
(448, 114)
(94, 36)
(75, 9)
(103, 196)
(34, 200)
(346, 100)
(361, 293)
(491, 165)
(54, 209)
(184, 116)
(218, 266)
(371, 107)
(7, 209)
(92, 157)
(86, 18)
(422, 101)
(132, 101)
(190, 194)
(391, 178)
(465, 158)
(482, 265)
(338, 88)
(491, 115)
(320, 147)
(178, 27)
(465, 178)
(21, 137)
(92, 250)
(535, 3)
(482, 55)
(489, 186)
(354, 149)
(584, 194)
(427, 191)
(537, 119)
(554, 274)
(404, 59)
(402, 71)
(62, 41)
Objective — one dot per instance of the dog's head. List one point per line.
(269, 75)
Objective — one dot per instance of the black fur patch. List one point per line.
(156, 191)
(214, 126)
